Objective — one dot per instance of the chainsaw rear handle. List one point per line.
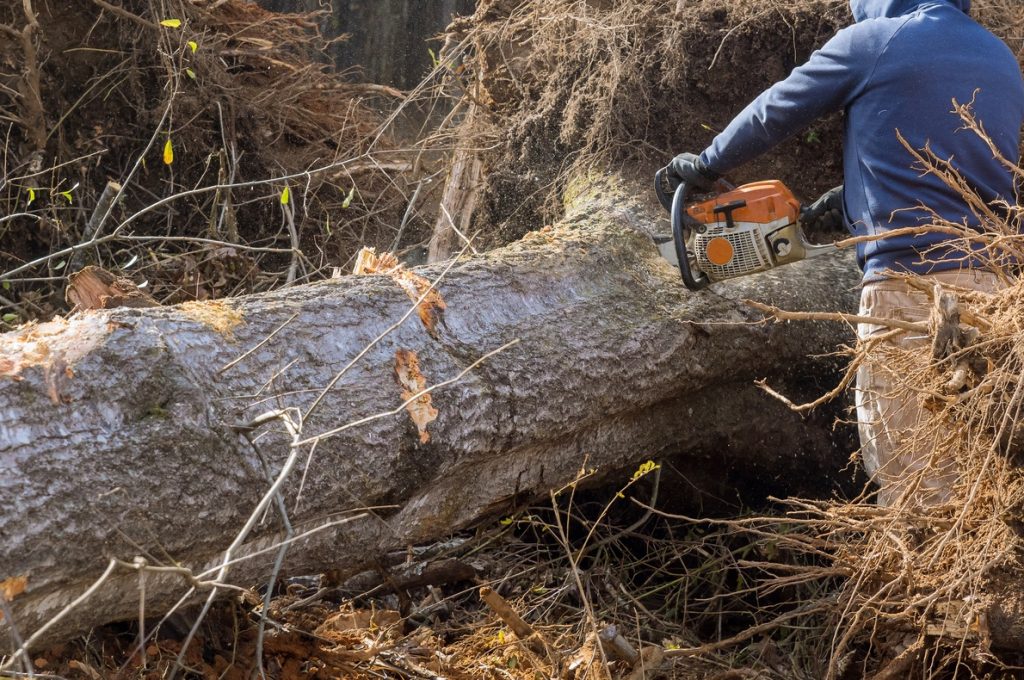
(681, 223)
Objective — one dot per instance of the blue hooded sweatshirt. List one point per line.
(898, 68)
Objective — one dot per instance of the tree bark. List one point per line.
(121, 438)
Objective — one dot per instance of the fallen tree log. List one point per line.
(129, 432)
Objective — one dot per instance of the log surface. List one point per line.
(119, 436)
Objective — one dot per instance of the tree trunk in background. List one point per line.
(388, 39)
(120, 435)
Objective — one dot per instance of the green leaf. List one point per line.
(7, 285)
(193, 45)
(171, 23)
(60, 265)
(433, 58)
(10, 317)
(286, 196)
(67, 196)
(348, 199)
(31, 196)
(190, 73)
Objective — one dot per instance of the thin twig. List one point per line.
(851, 319)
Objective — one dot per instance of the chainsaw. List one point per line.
(742, 231)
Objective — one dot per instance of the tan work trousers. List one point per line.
(886, 418)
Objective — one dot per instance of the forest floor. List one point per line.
(592, 562)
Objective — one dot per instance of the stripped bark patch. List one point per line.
(430, 309)
(11, 588)
(53, 346)
(421, 409)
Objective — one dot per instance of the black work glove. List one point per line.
(826, 213)
(689, 168)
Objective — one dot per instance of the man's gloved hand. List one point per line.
(688, 168)
(826, 213)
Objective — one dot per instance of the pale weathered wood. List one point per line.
(458, 204)
(120, 436)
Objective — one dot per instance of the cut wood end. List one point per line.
(95, 288)
(369, 262)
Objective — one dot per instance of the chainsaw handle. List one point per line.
(676, 205)
(664, 197)
(679, 228)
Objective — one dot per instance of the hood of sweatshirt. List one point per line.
(877, 9)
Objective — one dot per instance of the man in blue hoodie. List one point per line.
(896, 71)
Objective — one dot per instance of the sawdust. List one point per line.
(218, 315)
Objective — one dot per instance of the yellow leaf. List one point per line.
(193, 45)
(31, 196)
(286, 196)
(168, 152)
(506, 522)
(646, 468)
(171, 23)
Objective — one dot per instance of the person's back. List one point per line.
(898, 69)
(936, 53)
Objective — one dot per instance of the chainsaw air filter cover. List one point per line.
(746, 230)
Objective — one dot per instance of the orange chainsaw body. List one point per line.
(767, 201)
(746, 230)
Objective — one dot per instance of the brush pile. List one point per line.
(203, 113)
